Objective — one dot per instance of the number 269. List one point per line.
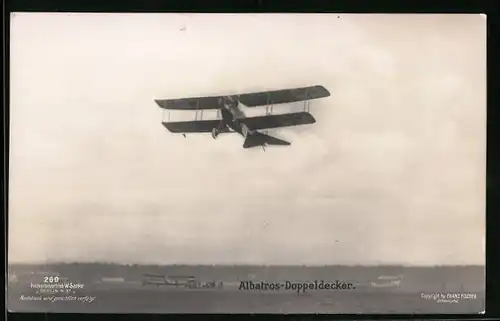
(51, 279)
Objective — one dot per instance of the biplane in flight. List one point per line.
(231, 117)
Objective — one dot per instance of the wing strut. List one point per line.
(307, 106)
(165, 111)
(307, 103)
(198, 114)
(269, 108)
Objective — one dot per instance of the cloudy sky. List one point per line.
(392, 172)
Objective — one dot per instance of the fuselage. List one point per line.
(231, 113)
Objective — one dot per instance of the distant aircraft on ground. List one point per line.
(233, 119)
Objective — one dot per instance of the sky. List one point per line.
(392, 172)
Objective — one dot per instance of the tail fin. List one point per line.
(259, 139)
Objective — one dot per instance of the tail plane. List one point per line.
(260, 139)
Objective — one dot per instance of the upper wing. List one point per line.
(199, 126)
(283, 96)
(275, 121)
(190, 103)
(250, 100)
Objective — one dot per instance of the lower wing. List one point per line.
(275, 121)
(198, 126)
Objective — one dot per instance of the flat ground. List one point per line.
(119, 289)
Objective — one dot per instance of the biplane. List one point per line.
(232, 119)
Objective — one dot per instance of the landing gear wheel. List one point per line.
(215, 133)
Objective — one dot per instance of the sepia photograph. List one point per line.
(247, 163)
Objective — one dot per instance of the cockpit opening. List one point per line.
(230, 102)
